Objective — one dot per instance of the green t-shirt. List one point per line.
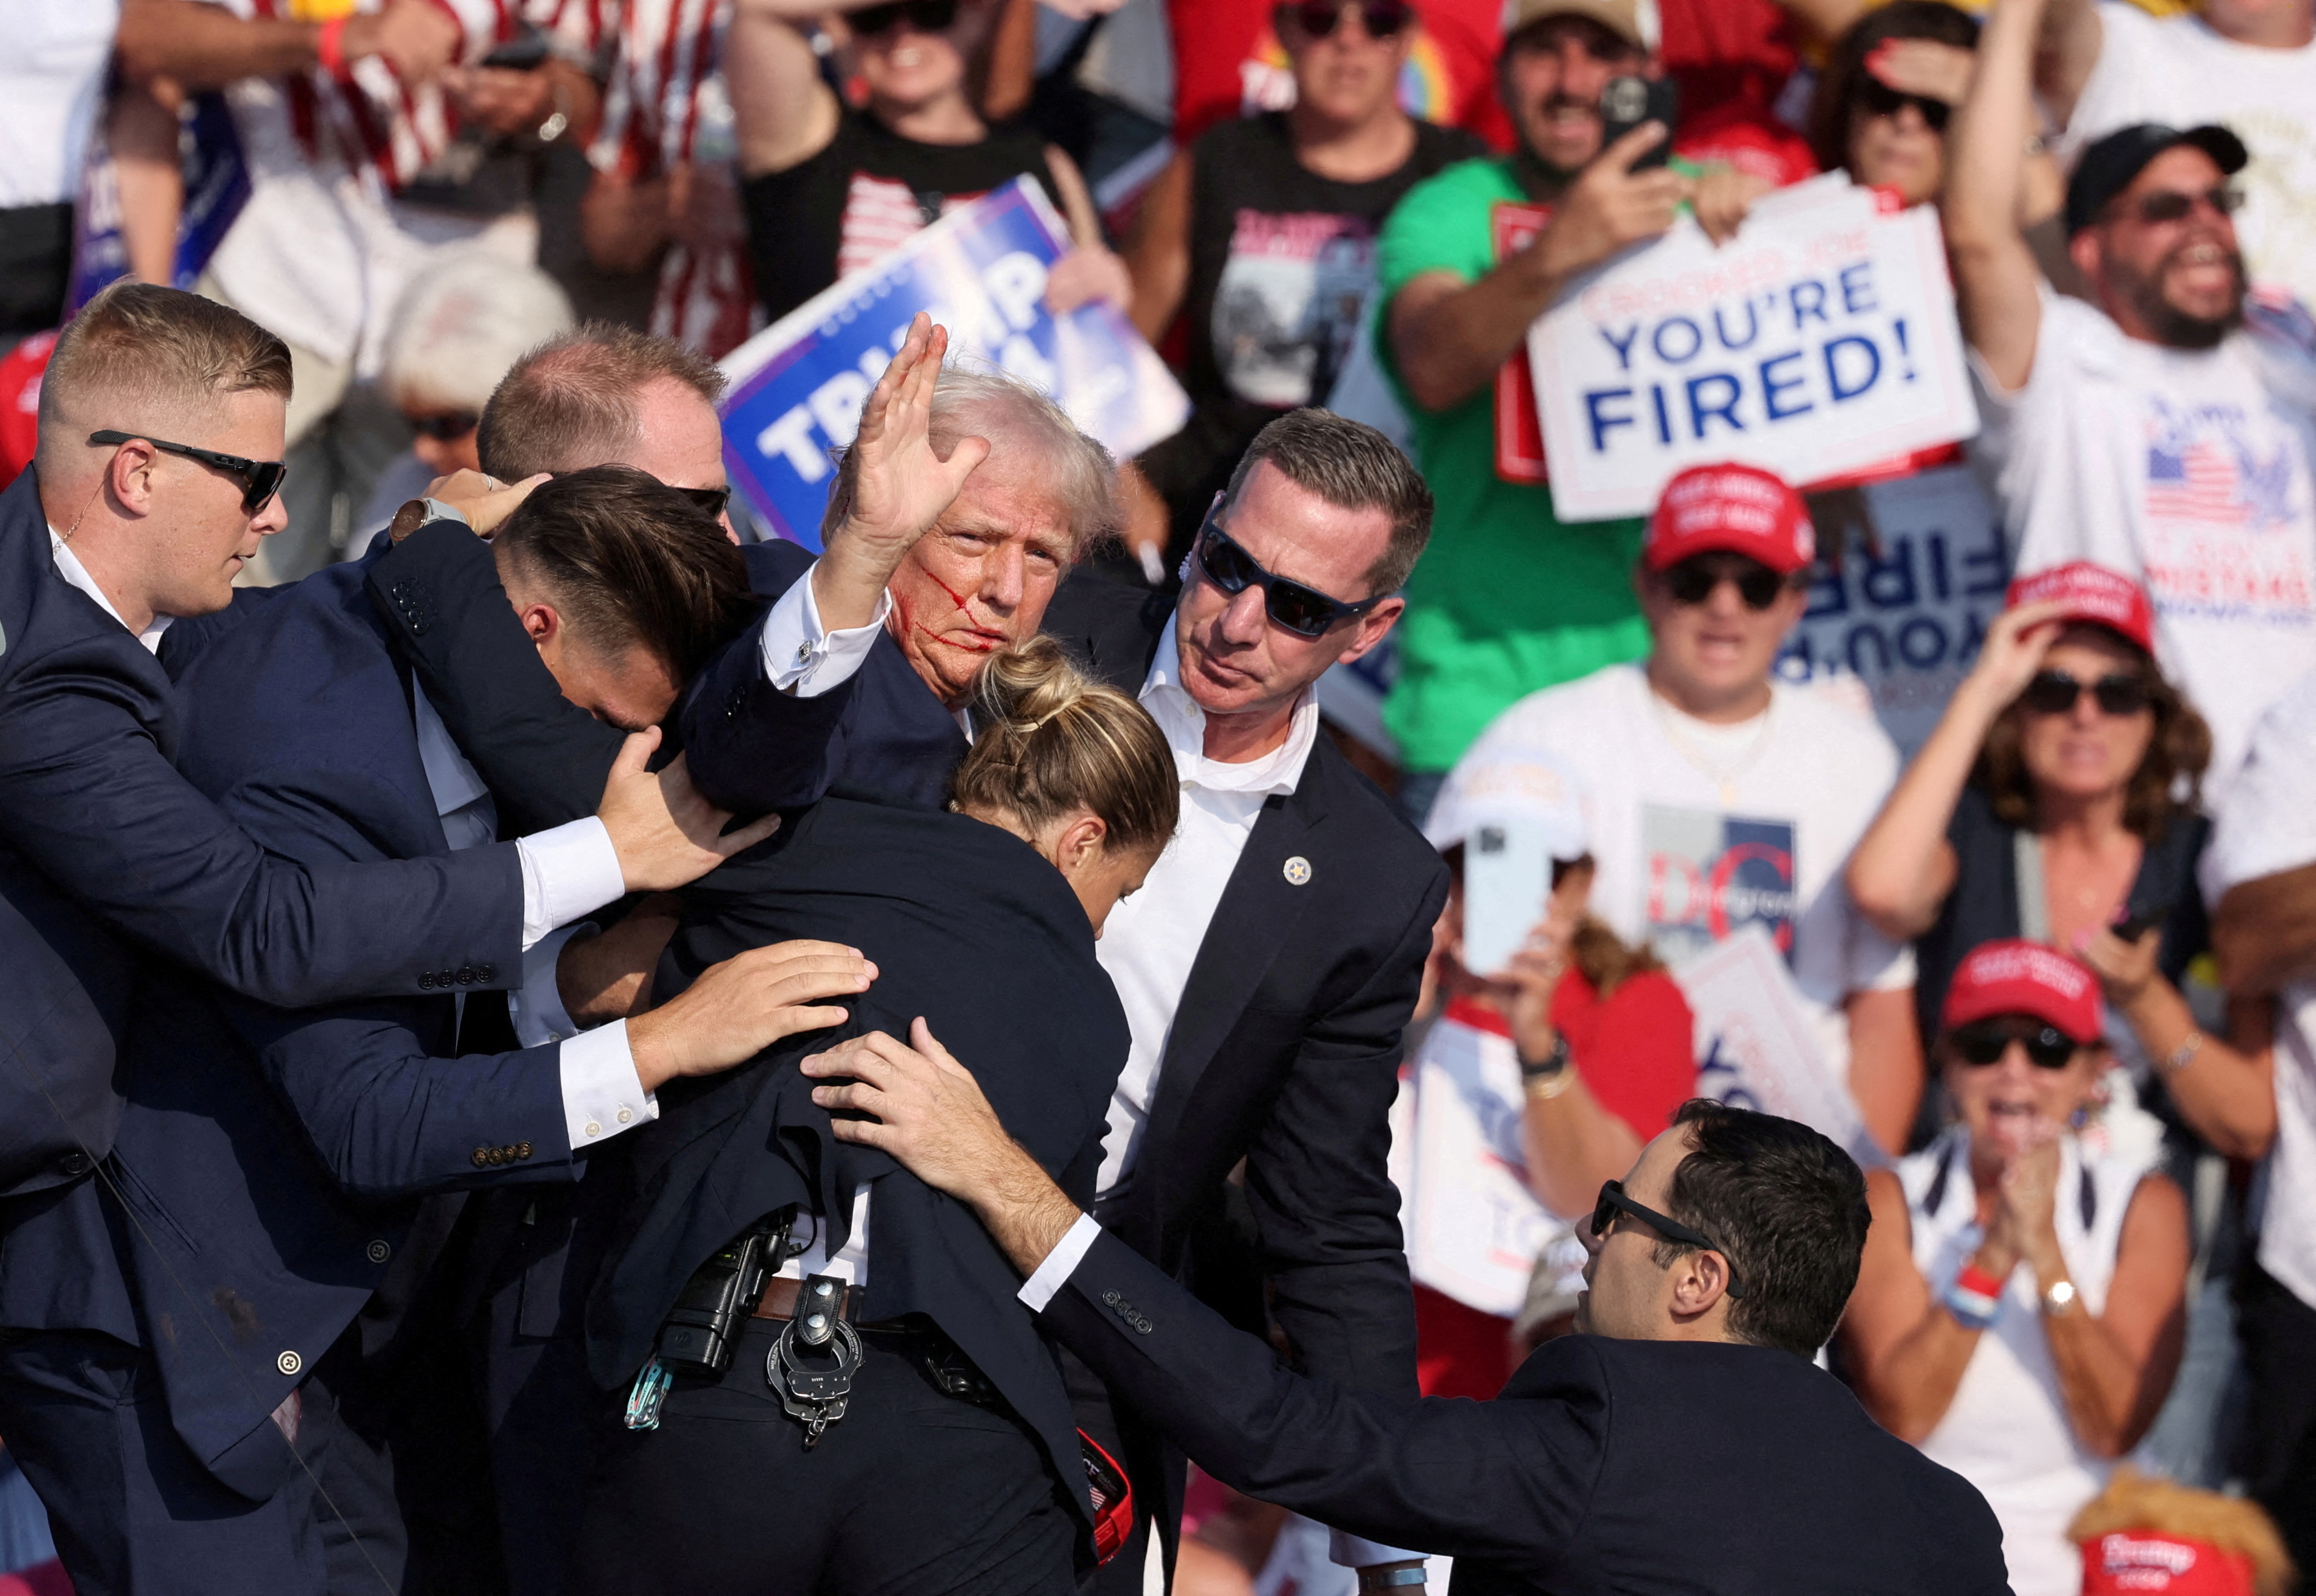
(1507, 598)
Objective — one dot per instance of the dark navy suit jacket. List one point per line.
(105, 851)
(1605, 1468)
(270, 1160)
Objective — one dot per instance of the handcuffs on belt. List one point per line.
(813, 1392)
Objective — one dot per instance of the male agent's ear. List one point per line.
(1375, 626)
(128, 478)
(1700, 1279)
(541, 622)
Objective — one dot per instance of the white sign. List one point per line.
(1753, 1044)
(1820, 340)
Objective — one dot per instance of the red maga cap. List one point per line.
(2094, 593)
(2017, 976)
(2146, 1563)
(1742, 509)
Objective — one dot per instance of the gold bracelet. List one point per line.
(1544, 1088)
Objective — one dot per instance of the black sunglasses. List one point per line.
(1612, 1199)
(1320, 18)
(448, 427)
(1303, 611)
(2055, 692)
(1693, 580)
(710, 500)
(2171, 205)
(1877, 98)
(259, 479)
(1985, 1041)
(926, 16)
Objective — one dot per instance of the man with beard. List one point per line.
(2163, 429)
(1510, 599)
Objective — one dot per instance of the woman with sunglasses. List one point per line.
(2056, 801)
(2020, 1310)
(829, 190)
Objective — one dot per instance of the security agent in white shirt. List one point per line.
(1299, 997)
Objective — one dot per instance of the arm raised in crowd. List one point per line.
(782, 112)
(1158, 254)
(1448, 336)
(200, 45)
(1998, 288)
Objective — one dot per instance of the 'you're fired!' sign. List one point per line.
(1818, 343)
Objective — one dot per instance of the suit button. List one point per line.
(1110, 1297)
(522, 1149)
(482, 1156)
(74, 1163)
(488, 972)
(426, 983)
(498, 1156)
(378, 1252)
(466, 975)
(288, 1363)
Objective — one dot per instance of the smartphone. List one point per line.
(525, 52)
(1626, 102)
(2138, 922)
(1507, 882)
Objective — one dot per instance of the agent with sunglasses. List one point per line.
(1723, 796)
(829, 190)
(1262, 233)
(2020, 1310)
(1683, 1442)
(2165, 426)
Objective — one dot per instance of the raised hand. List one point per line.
(739, 1008)
(484, 501)
(1611, 207)
(666, 835)
(2013, 651)
(900, 483)
(417, 38)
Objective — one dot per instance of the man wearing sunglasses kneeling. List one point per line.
(2019, 1313)
(1725, 798)
(1682, 1441)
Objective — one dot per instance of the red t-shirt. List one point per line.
(1636, 1053)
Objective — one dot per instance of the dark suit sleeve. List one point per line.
(544, 758)
(1510, 1480)
(85, 791)
(1318, 1184)
(752, 748)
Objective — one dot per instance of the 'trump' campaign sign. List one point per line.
(797, 387)
(1820, 340)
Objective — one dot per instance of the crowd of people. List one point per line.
(1346, 1009)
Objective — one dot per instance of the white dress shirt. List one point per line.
(568, 871)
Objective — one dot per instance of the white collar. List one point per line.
(69, 567)
(1184, 723)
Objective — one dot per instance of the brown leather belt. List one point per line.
(782, 1295)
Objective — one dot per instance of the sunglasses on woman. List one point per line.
(926, 16)
(448, 427)
(259, 479)
(1612, 1202)
(1877, 98)
(1303, 611)
(1320, 18)
(1693, 581)
(2055, 692)
(1986, 1042)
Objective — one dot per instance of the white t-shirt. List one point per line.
(2186, 468)
(1698, 830)
(2268, 826)
(2178, 71)
(51, 83)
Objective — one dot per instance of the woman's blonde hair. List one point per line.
(1049, 740)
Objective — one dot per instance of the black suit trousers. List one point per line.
(912, 1493)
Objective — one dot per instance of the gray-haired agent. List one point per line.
(1684, 1442)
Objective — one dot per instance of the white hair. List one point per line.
(461, 322)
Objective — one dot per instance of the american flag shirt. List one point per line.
(665, 106)
(2188, 470)
(322, 250)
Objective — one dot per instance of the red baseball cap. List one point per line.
(2131, 1562)
(1740, 509)
(2094, 593)
(2017, 976)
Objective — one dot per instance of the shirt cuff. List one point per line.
(803, 658)
(567, 871)
(601, 1093)
(537, 1008)
(1060, 1264)
(1348, 1551)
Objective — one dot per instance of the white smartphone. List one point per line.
(1507, 882)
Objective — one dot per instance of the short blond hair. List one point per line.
(143, 358)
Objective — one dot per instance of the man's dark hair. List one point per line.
(570, 402)
(1352, 467)
(1789, 1210)
(629, 560)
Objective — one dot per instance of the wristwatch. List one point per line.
(416, 512)
(2059, 1299)
(1547, 1077)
